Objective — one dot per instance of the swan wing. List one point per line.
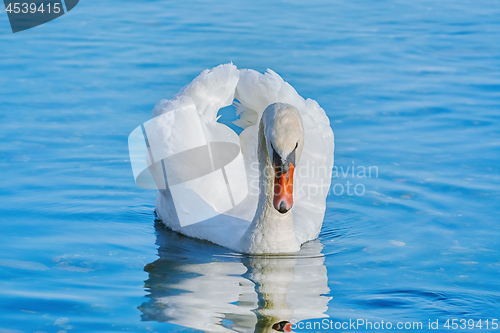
(210, 91)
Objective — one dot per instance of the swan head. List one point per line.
(284, 134)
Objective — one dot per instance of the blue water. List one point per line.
(412, 89)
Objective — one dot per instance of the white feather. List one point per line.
(217, 88)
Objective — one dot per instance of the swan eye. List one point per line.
(276, 156)
(277, 160)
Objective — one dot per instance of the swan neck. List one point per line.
(270, 230)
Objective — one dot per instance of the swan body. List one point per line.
(287, 146)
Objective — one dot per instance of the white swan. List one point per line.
(287, 137)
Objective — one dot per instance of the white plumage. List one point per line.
(254, 92)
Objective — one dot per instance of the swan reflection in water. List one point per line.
(206, 287)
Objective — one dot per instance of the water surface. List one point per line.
(411, 89)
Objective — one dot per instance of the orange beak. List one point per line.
(283, 189)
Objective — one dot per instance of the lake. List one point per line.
(412, 91)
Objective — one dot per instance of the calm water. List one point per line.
(412, 89)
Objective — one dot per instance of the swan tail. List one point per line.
(210, 91)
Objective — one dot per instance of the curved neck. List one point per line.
(270, 230)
